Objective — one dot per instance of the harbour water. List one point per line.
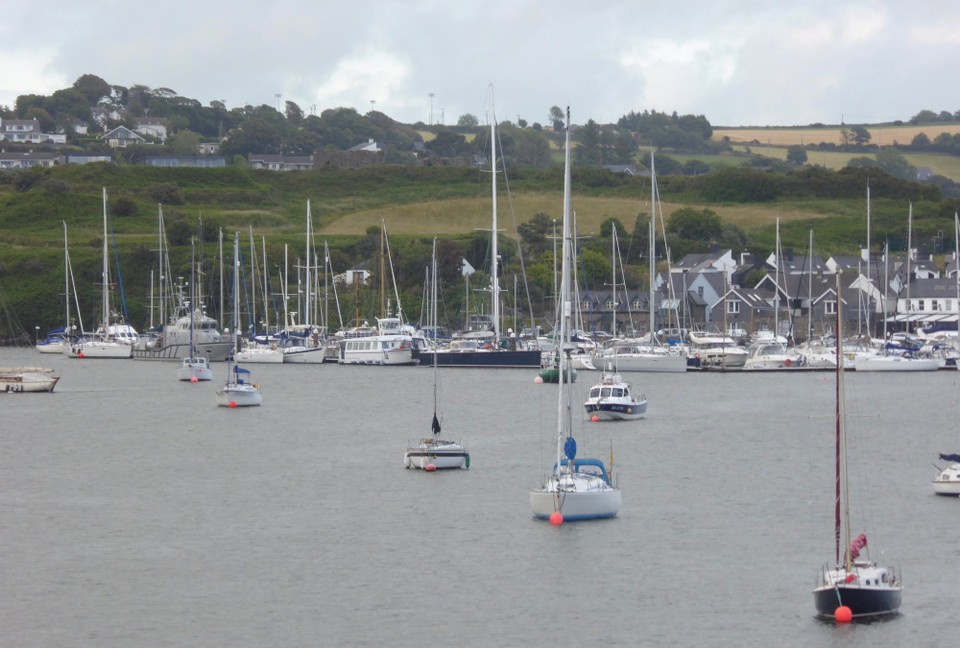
(134, 512)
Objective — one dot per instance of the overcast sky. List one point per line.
(740, 63)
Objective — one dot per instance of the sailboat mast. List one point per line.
(494, 255)
(839, 428)
(192, 292)
(566, 255)
(306, 316)
(105, 297)
(66, 281)
(236, 292)
(653, 243)
(613, 278)
(869, 280)
(842, 431)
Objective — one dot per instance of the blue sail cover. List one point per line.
(435, 426)
(570, 448)
(950, 457)
(240, 370)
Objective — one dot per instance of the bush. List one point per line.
(124, 206)
(166, 193)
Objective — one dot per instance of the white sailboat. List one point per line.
(59, 341)
(433, 453)
(305, 344)
(645, 354)
(851, 587)
(238, 391)
(112, 340)
(577, 489)
(194, 367)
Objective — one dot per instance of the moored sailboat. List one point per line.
(577, 489)
(238, 391)
(433, 453)
(851, 587)
(194, 367)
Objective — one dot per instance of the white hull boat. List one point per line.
(897, 363)
(259, 355)
(947, 480)
(100, 349)
(239, 395)
(612, 399)
(194, 370)
(576, 489)
(16, 380)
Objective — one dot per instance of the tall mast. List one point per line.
(562, 400)
(653, 243)
(869, 279)
(838, 472)
(306, 316)
(494, 255)
(105, 298)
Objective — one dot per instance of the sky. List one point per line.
(738, 63)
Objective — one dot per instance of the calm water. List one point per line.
(133, 512)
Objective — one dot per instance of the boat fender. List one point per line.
(467, 456)
(787, 362)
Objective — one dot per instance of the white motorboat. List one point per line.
(392, 345)
(897, 363)
(947, 480)
(612, 399)
(771, 356)
(576, 489)
(717, 351)
(15, 380)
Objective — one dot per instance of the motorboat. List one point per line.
(612, 399)
(947, 480)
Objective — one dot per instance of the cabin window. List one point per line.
(830, 307)
(733, 307)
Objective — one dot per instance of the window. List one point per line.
(700, 291)
(610, 304)
(733, 307)
(934, 305)
(920, 307)
(830, 308)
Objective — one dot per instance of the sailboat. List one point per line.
(194, 367)
(305, 344)
(433, 453)
(486, 348)
(58, 341)
(577, 489)
(638, 355)
(237, 391)
(112, 340)
(852, 587)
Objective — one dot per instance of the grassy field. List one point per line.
(947, 166)
(803, 136)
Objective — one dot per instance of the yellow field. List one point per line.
(879, 135)
(465, 215)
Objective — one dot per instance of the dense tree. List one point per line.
(293, 113)
(892, 161)
(449, 144)
(557, 117)
(92, 88)
(860, 135)
(467, 120)
(701, 225)
(797, 155)
(589, 152)
(920, 140)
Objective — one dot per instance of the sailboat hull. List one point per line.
(239, 395)
(482, 358)
(575, 506)
(443, 455)
(862, 601)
